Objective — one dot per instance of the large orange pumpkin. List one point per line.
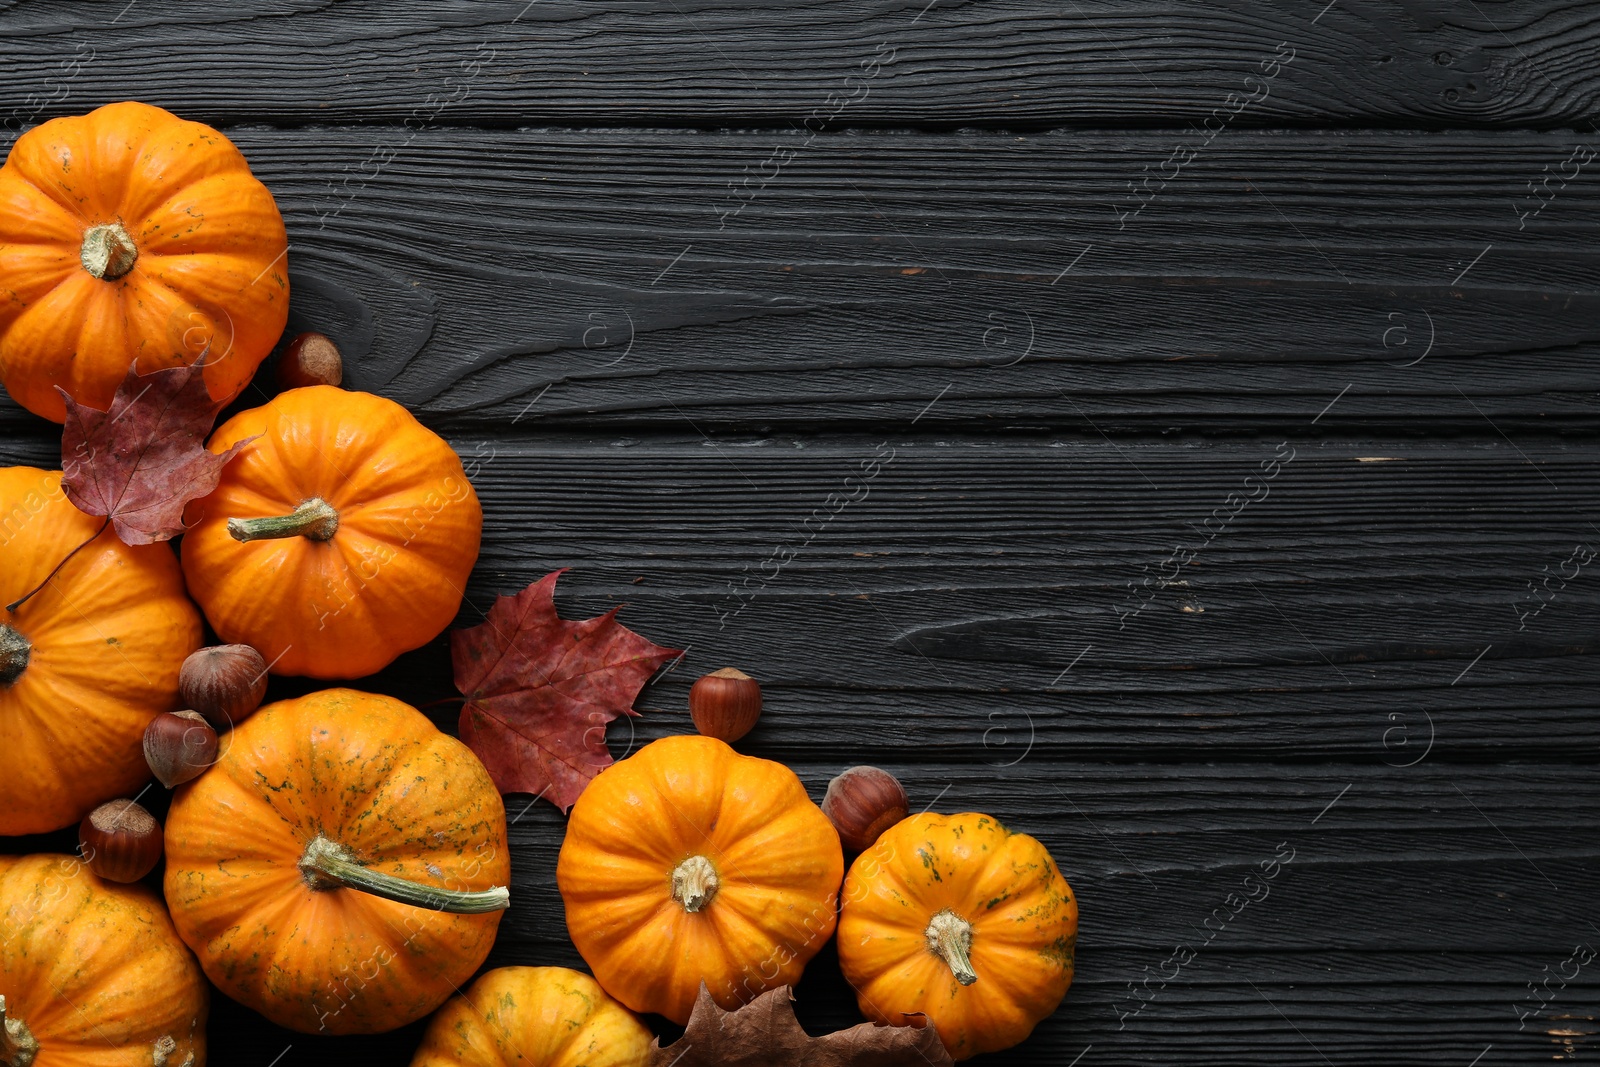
(336, 870)
(958, 919)
(92, 974)
(85, 663)
(534, 1017)
(130, 234)
(688, 862)
(339, 538)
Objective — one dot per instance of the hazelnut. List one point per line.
(725, 704)
(179, 746)
(862, 803)
(225, 683)
(310, 359)
(120, 841)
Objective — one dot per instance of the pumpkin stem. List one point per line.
(315, 519)
(14, 652)
(694, 883)
(108, 252)
(164, 1048)
(18, 1046)
(949, 938)
(329, 865)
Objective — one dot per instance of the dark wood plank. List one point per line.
(1013, 63)
(1349, 612)
(988, 594)
(1322, 1007)
(580, 279)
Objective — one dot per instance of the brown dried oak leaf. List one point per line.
(765, 1033)
(142, 460)
(540, 690)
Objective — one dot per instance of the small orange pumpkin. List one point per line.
(957, 918)
(91, 973)
(339, 538)
(86, 662)
(534, 1017)
(688, 862)
(337, 869)
(130, 234)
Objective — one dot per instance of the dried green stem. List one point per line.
(14, 652)
(315, 519)
(694, 883)
(950, 938)
(18, 1046)
(108, 252)
(328, 865)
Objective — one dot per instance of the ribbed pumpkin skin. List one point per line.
(95, 970)
(1024, 929)
(109, 633)
(777, 856)
(210, 271)
(534, 1017)
(391, 578)
(374, 775)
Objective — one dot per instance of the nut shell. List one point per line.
(224, 683)
(311, 359)
(862, 803)
(120, 841)
(179, 746)
(725, 704)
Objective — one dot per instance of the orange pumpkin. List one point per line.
(339, 538)
(534, 1017)
(688, 862)
(335, 870)
(130, 234)
(959, 919)
(92, 974)
(85, 663)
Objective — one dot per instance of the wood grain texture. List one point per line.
(1446, 903)
(1428, 886)
(1151, 849)
(580, 279)
(1170, 428)
(1229, 1008)
(1339, 615)
(1012, 63)
(1366, 607)
(1408, 911)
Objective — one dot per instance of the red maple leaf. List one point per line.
(142, 460)
(540, 690)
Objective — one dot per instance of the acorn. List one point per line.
(179, 746)
(725, 704)
(862, 803)
(310, 359)
(120, 841)
(225, 683)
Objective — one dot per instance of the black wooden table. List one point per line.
(1230, 370)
